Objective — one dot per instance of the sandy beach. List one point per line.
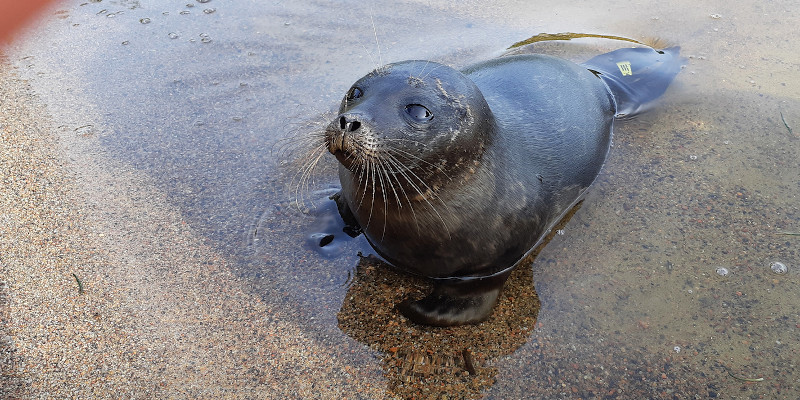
(90, 312)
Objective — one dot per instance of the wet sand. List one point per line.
(106, 293)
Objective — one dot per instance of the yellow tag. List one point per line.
(625, 68)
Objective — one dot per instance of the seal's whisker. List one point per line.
(430, 190)
(372, 185)
(391, 162)
(303, 178)
(371, 59)
(377, 43)
(302, 134)
(422, 70)
(361, 182)
(408, 174)
(381, 174)
(286, 147)
(301, 153)
(367, 168)
(414, 157)
(417, 142)
(364, 185)
(386, 170)
(363, 178)
(307, 180)
(431, 71)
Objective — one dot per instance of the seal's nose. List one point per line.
(349, 123)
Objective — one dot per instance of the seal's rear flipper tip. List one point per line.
(636, 76)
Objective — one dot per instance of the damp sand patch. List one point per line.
(106, 293)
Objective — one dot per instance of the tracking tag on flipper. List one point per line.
(636, 92)
(625, 68)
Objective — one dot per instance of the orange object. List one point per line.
(14, 14)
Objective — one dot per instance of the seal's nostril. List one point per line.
(348, 124)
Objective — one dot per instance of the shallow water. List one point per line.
(202, 97)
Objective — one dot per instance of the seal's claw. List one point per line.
(351, 226)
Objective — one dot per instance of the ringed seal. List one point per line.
(458, 175)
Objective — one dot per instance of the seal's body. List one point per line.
(457, 176)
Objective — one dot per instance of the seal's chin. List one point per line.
(342, 155)
(343, 158)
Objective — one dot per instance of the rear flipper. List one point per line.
(636, 76)
(456, 301)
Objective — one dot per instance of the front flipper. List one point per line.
(456, 301)
(351, 226)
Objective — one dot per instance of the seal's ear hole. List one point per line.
(419, 112)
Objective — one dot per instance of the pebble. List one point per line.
(778, 267)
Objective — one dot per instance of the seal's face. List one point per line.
(405, 123)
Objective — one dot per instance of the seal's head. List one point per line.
(415, 119)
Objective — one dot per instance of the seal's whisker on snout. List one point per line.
(413, 141)
(303, 133)
(387, 172)
(305, 180)
(365, 184)
(300, 153)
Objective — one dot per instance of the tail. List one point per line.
(636, 76)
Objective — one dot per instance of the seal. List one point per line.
(459, 175)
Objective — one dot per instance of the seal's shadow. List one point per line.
(452, 361)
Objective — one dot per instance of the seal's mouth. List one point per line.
(344, 158)
(334, 139)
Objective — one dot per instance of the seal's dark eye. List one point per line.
(353, 93)
(419, 113)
